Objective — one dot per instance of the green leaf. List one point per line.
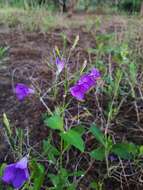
(60, 180)
(54, 179)
(79, 129)
(73, 138)
(98, 154)
(98, 134)
(141, 150)
(38, 174)
(124, 150)
(2, 166)
(7, 124)
(55, 122)
(50, 151)
(72, 187)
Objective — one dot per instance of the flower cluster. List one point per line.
(16, 174)
(84, 84)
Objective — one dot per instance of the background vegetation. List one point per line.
(124, 5)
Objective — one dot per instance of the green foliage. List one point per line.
(98, 134)
(37, 175)
(55, 122)
(50, 151)
(2, 166)
(125, 150)
(61, 181)
(130, 5)
(72, 137)
(98, 154)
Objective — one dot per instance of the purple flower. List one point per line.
(22, 91)
(112, 157)
(95, 73)
(60, 63)
(85, 83)
(86, 80)
(16, 174)
(78, 91)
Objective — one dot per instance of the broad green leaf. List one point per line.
(98, 134)
(124, 150)
(98, 154)
(73, 138)
(132, 148)
(79, 129)
(120, 150)
(40, 179)
(55, 122)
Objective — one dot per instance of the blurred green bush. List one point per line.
(130, 5)
(122, 5)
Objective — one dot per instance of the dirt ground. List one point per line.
(26, 60)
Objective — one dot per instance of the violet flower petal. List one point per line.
(20, 178)
(60, 64)
(78, 92)
(31, 91)
(22, 91)
(22, 164)
(16, 174)
(85, 83)
(9, 173)
(87, 80)
(95, 73)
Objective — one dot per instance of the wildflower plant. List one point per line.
(72, 138)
